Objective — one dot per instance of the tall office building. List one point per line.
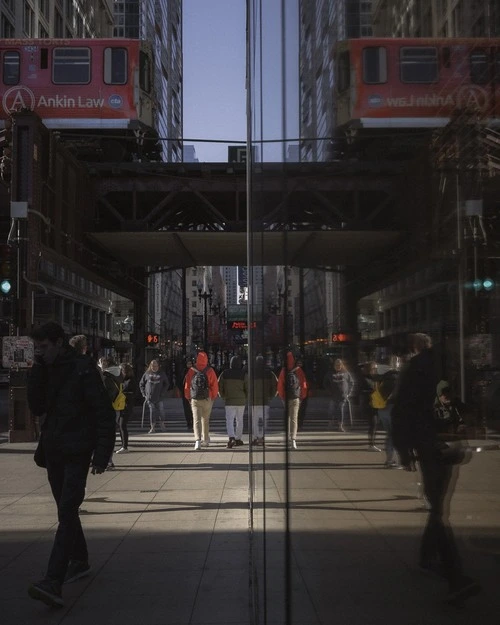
(159, 22)
(230, 279)
(322, 24)
(56, 19)
(431, 18)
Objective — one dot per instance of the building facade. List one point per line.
(441, 18)
(56, 19)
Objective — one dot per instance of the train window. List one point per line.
(115, 66)
(145, 72)
(418, 65)
(11, 67)
(344, 73)
(71, 66)
(479, 67)
(374, 65)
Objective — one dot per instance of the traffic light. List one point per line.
(6, 271)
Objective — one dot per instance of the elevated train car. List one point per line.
(415, 83)
(96, 92)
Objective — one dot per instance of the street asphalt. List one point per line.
(335, 535)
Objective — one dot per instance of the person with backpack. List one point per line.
(339, 383)
(129, 386)
(233, 388)
(292, 388)
(371, 401)
(153, 386)
(64, 390)
(112, 379)
(201, 387)
(383, 402)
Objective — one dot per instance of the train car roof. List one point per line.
(479, 41)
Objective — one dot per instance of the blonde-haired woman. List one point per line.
(153, 386)
(339, 383)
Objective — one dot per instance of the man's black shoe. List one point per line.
(48, 591)
(238, 442)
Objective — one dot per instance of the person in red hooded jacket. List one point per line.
(292, 389)
(201, 387)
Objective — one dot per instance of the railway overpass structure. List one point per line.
(114, 223)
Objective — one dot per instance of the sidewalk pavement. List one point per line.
(168, 534)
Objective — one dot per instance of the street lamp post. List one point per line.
(205, 294)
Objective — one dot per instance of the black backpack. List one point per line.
(292, 384)
(199, 384)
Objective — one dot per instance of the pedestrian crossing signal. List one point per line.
(152, 340)
(341, 337)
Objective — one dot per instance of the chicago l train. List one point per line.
(416, 83)
(96, 91)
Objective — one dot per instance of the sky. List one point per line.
(214, 75)
(214, 71)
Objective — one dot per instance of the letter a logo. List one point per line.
(18, 98)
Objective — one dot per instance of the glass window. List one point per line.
(11, 68)
(71, 66)
(419, 65)
(479, 67)
(115, 66)
(374, 65)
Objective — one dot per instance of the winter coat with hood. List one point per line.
(112, 378)
(154, 385)
(200, 364)
(233, 383)
(264, 384)
(75, 410)
(290, 366)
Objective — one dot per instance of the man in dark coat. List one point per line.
(415, 437)
(77, 430)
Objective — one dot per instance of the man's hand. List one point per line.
(96, 470)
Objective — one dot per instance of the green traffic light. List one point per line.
(477, 285)
(5, 287)
(488, 284)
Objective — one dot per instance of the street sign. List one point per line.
(17, 352)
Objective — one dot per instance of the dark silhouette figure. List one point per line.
(415, 433)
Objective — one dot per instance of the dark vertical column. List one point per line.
(302, 329)
(140, 315)
(184, 312)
